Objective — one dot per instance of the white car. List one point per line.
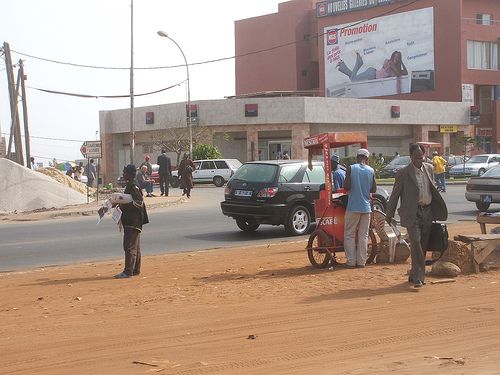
(216, 171)
(475, 166)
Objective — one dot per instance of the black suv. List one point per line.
(278, 192)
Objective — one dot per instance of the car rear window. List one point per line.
(256, 172)
(221, 164)
(477, 159)
(493, 172)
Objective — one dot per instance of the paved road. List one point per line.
(198, 224)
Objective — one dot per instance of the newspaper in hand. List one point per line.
(116, 214)
(105, 208)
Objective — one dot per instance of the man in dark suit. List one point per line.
(164, 172)
(421, 204)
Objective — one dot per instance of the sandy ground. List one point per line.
(253, 310)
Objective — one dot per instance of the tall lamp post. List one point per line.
(188, 119)
(132, 133)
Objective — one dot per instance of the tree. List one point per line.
(206, 151)
(176, 140)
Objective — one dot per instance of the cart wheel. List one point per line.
(317, 254)
(372, 246)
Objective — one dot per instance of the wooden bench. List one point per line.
(485, 218)
(482, 245)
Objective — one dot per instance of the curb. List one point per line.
(85, 211)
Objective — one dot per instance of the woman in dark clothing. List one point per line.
(134, 216)
(185, 173)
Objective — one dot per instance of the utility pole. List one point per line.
(25, 115)
(15, 129)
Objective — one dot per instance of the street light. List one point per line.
(165, 35)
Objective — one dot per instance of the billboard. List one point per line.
(382, 56)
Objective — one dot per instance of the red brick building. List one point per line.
(449, 47)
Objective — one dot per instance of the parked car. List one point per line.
(451, 161)
(278, 192)
(475, 166)
(154, 174)
(395, 165)
(485, 189)
(216, 171)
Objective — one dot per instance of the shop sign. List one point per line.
(448, 128)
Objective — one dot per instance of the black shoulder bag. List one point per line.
(438, 239)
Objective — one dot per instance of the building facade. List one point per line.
(450, 49)
(317, 66)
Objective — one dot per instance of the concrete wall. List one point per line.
(289, 110)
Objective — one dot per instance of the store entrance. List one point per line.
(276, 149)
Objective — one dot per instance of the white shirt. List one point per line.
(424, 189)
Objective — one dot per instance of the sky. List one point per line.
(98, 33)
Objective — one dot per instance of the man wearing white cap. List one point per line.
(359, 182)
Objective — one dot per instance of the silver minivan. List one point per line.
(216, 171)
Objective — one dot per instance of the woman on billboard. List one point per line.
(393, 67)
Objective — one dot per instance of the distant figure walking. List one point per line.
(186, 168)
(164, 172)
(91, 173)
(285, 155)
(34, 166)
(439, 164)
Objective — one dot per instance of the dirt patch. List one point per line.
(252, 310)
(66, 180)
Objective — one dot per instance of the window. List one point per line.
(485, 100)
(147, 148)
(208, 165)
(482, 55)
(288, 172)
(317, 175)
(221, 164)
(483, 19)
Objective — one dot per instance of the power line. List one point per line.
(52, 139)
(213, 60)
(103, 96)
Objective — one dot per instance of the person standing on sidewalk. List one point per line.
(359, 182)
(421, 203)
(164, 172)
(439, 164)
(134, 216)
(91, 172)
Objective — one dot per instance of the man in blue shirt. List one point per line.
(338, 174)
(359, 182)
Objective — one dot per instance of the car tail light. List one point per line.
(227, 190)
(268, 192)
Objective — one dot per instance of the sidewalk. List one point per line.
(85, 209)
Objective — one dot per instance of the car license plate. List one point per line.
(243, 193)
(486, 198)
